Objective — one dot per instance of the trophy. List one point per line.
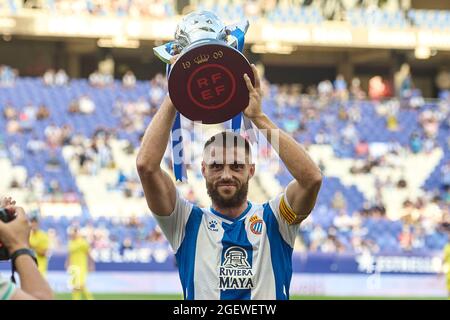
(206, 82)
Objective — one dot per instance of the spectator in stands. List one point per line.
(378, 89)
(43, 112)
(37, 185)
(86, 104)
(343, 222)
(35, 145)
(342, 113)
(100, 79)
(74, 107)
(406, 238)
(322, 137)
(350, 134)
(9, 113)
(28, 116)
(445, 175)
(362, 149)
(53, 135)
(66, 134)
(53, 163)
(8, 76)
(49, 77)
(392, 109)
(156, 92)
(129, 79)
(61, 78)
(446, 196)
(317, 237)
(95, 79)
(415, 143)
(16, 152)
(430, 123)
(127, 244)
(54, 189)
(325, 89)
(340, 87)
(354, 113)
(339, 203)
(403, 82)
(355, 90)
(13, 127)
(291, 124)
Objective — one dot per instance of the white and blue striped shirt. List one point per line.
(249, 257)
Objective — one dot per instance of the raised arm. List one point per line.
(301, 193)
(159, 188)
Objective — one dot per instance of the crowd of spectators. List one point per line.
(101, 8)
(329, 103)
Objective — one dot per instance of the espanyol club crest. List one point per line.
(256, 225)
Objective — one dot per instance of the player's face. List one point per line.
(227, 173)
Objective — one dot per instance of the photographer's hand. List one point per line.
(6, 202)
(15, 234)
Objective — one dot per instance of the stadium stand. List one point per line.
(68, 152)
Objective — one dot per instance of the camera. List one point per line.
(6, 217)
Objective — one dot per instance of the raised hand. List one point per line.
(254, 108)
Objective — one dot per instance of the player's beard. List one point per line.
(239, 197)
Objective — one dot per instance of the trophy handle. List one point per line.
(162, 53)
(241, 25)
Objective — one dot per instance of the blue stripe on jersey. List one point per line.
(186, 253)
(281, 254)
(235, 235)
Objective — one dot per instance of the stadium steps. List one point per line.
(9, 171)
(100, 200)
(409, 169)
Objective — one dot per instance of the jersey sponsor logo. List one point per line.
(212, 225)
(235, 271)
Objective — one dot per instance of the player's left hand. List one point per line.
(254, 108)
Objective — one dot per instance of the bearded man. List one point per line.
(235, 249)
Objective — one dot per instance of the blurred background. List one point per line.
(363, 84)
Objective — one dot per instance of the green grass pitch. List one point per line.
(140, 296)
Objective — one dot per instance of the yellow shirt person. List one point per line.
(39, 242)
(78, 264)
(447, 265)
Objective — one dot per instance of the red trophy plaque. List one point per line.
(206, 83)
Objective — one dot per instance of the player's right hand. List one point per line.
(14, 235)
(174, 58)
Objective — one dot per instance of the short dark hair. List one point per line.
(227, 137)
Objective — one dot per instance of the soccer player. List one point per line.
(447, 265)
(78, 265)
(235, 249)
(39, 242)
